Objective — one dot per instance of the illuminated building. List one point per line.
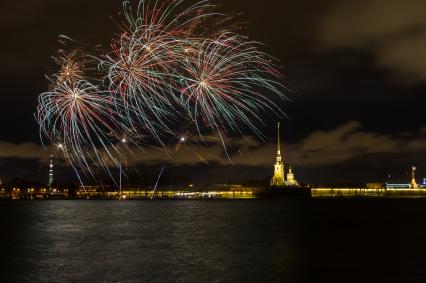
(278, 179)
(375, 186)
(51, 172)
(291, 181)
(397, 186)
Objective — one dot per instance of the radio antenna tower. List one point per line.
(51, 172)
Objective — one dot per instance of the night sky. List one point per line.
(357, 70)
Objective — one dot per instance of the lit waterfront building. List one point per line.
(278, 179)
(409, 185)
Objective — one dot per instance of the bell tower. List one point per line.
(291, 181)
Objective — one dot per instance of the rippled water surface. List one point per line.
(287, 240)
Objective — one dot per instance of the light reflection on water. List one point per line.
(288, 240)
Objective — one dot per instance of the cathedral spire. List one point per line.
(278, 142)
(279, 158)
(278, 179)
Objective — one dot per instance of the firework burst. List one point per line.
(138, 74)
(73, 63)
(168, 64)
(144, 59)
(228, 81)
(81, 119)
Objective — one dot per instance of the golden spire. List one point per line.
(279, 145)
(279, 159)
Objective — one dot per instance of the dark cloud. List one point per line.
(349, 142)
(320, 148)
(393, 30)
(22, 151)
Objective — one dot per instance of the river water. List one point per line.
(286, 240)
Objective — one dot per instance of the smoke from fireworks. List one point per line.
(165, 66)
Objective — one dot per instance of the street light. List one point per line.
(123, 141)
